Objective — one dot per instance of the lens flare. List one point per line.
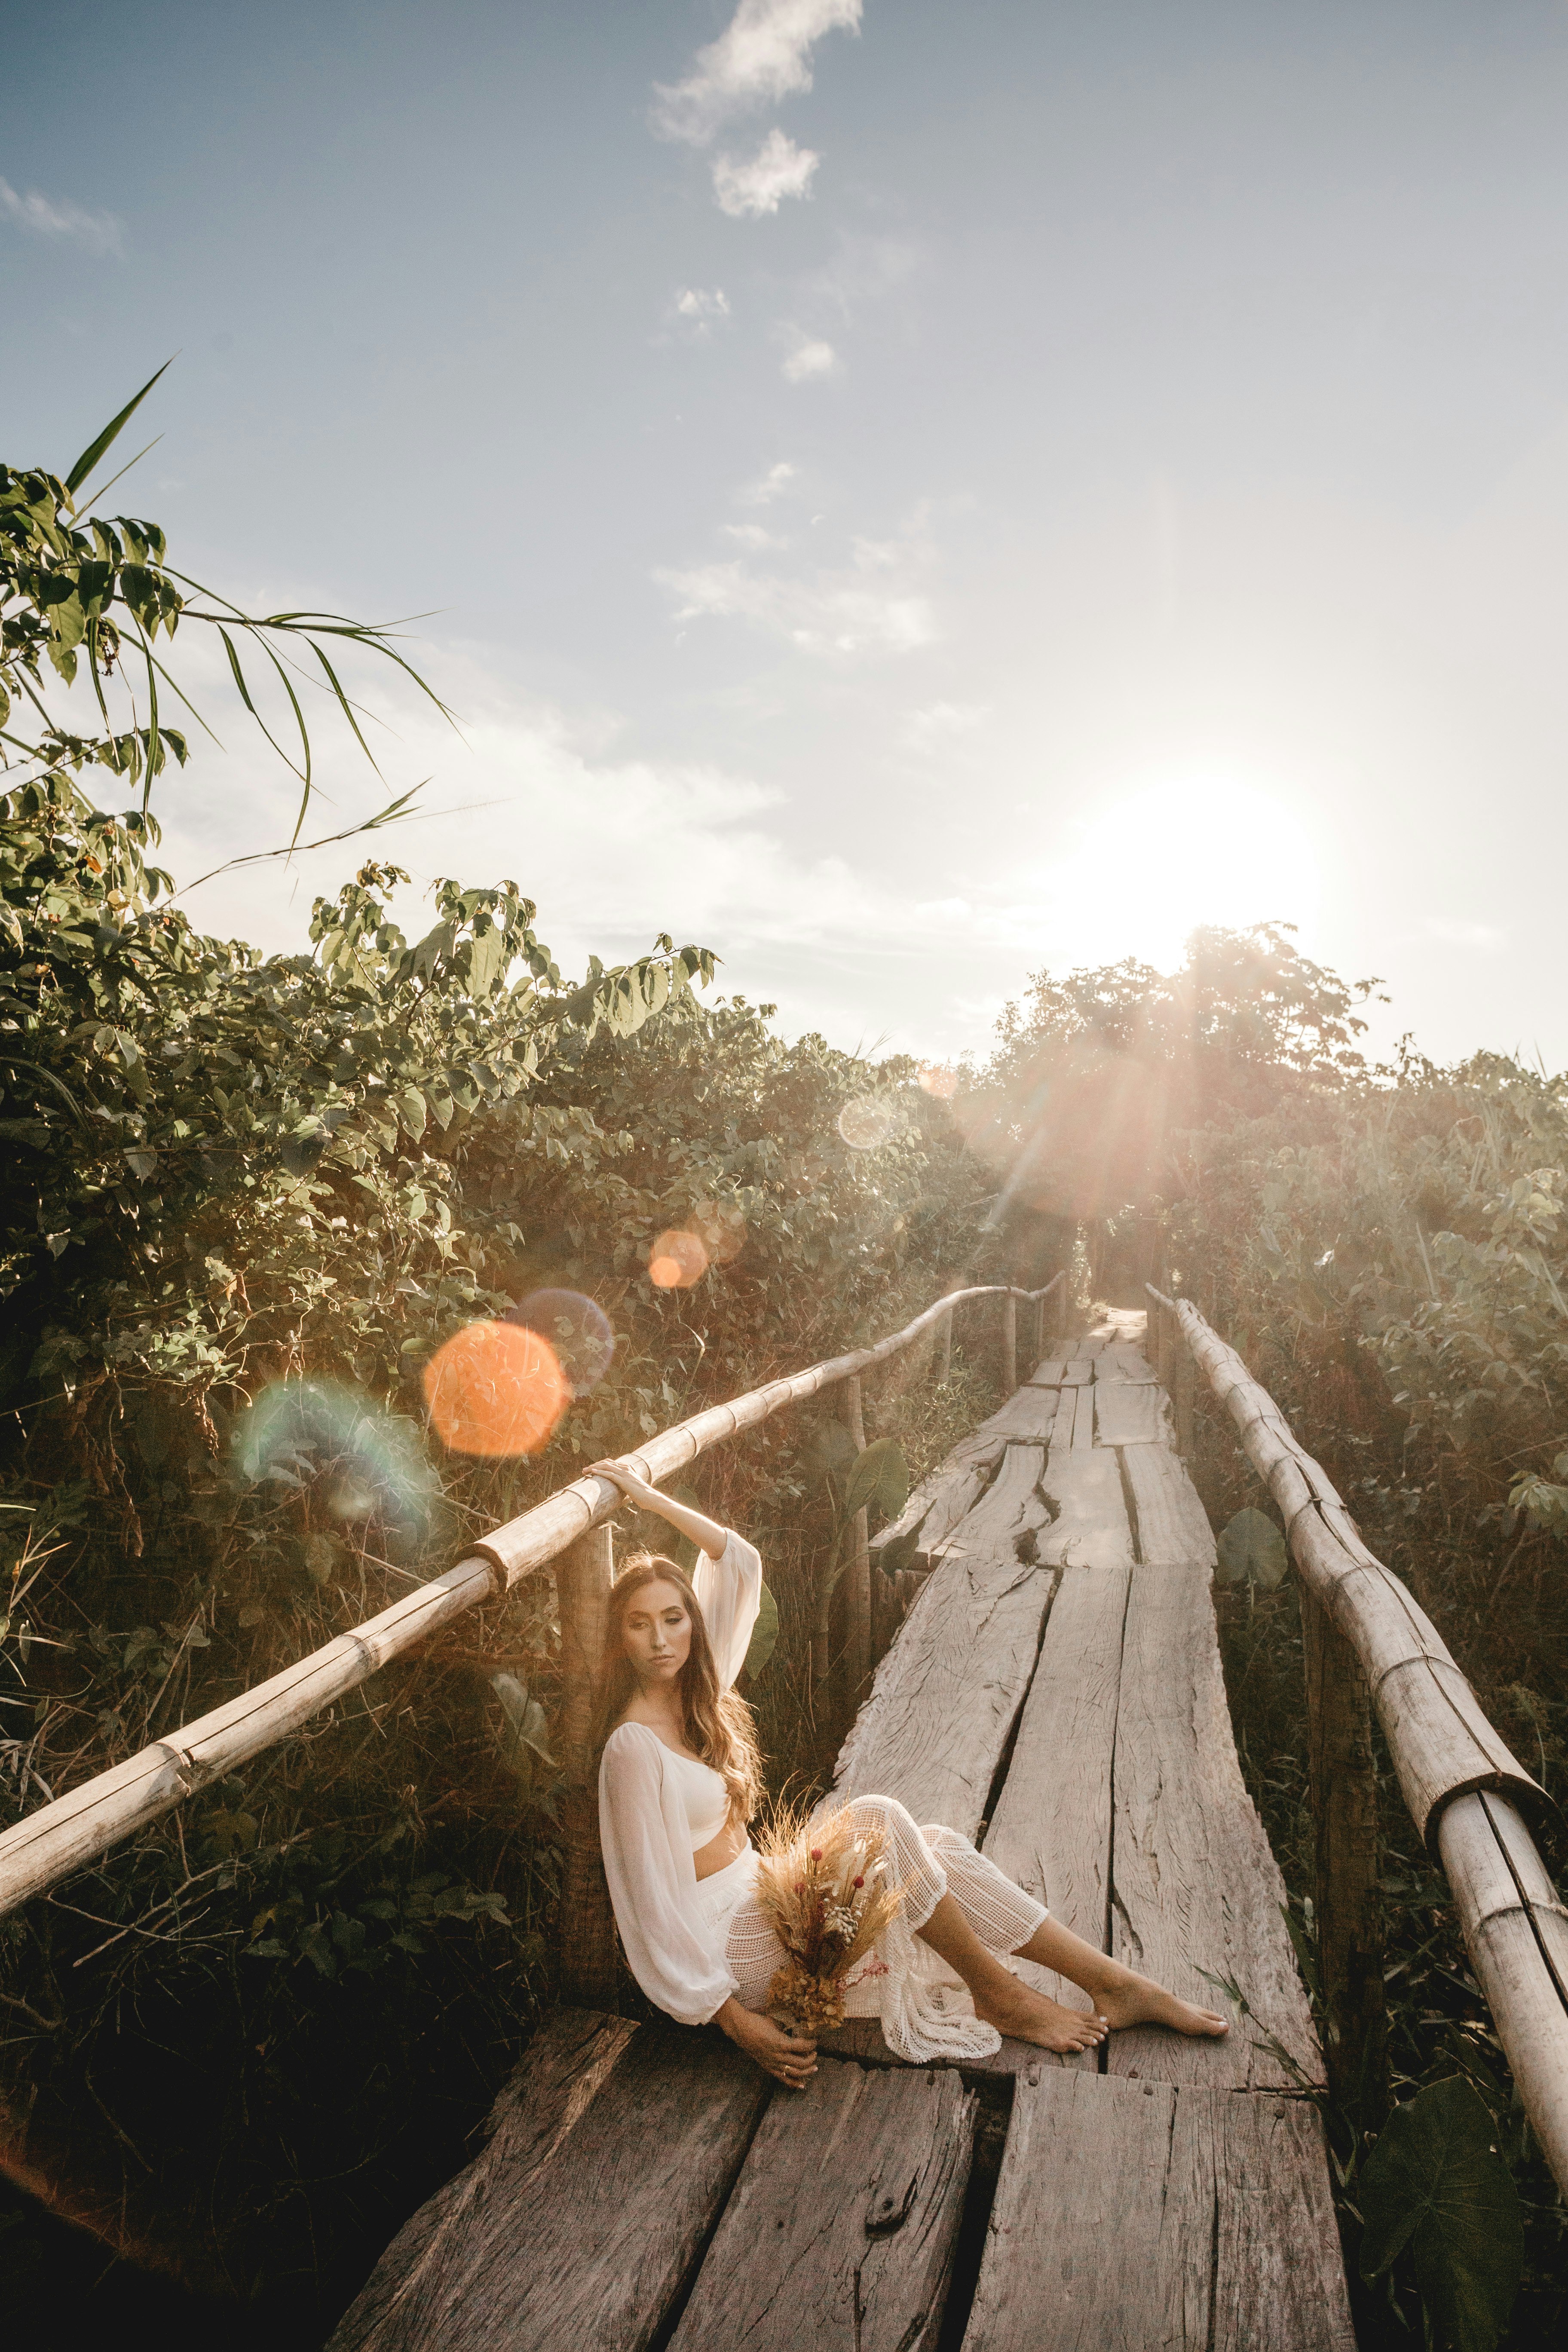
(576, 1328)
(720, 1228)
(869, 1121)
(939, 1081)
(360, 1464)
(497, 1389)
(677, 1260)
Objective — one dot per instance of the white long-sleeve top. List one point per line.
(658, 1808)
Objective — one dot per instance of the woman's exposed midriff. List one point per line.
(719, 1851)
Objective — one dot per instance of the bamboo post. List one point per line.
(1064, 1303)
(1350, 1922)
(944, 1347)
(584, 1573)
(857, 1575)
(1008, 1353)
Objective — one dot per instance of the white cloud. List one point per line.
(940, 723)
(764, 54)
(778, 169)
(810, 360)
(699, 306)
(873, 605)
(98, 232)
(751, 535)
(773, 485)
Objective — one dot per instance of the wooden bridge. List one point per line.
(1055, 1691)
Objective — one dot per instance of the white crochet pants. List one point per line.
(925, 2010)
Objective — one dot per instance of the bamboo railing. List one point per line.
(1369, 1643)
(59, 1837)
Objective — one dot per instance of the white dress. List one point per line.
(694, 1945)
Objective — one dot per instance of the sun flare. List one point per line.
(1159, 861)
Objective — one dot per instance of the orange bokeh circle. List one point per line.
(677, 1261)
(495, 1389)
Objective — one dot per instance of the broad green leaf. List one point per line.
(765, 1633)
(486, 961)
(523, 1739)
(1437, 2185)
(95, 449)
(1252, 1550)
(880, 1472)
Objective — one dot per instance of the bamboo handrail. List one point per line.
(1463, 1787)
(59, 1837)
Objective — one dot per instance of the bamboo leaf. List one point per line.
(95, 449)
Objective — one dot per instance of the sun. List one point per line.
(1188, 849)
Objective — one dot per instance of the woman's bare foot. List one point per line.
(1027, 2016)
(1140, 2002)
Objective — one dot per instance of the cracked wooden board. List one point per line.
(612, 2158)
(1124, 1365)
(1051, 1828)
(939, 1503)
(1131, 2215)
(945, 1698)
(1090, 1528)
(1062, 1373)
(1196, 1893)
(841, 2228)
(1172, 1527)
(1126, 1414)
(1028, 1414)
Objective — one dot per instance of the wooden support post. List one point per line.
(1007, 1364)
(945, 1347)
(1182, 1394)
(1349, 1921)
(584, 1573)
(858, 1572)
(1064, 1301)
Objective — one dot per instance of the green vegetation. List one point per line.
(245, 1199)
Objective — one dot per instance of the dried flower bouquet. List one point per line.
(824, 1886)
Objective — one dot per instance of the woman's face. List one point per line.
(658, 1633)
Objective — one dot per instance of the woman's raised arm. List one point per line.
(705, 1533)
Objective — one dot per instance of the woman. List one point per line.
(679, 1780)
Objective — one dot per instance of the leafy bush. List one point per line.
(245, 1199)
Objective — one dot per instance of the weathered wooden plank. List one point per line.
(1126, 1414)
(939, 1502)
(1027, 1415)
(1063, 1372)
(580, 2221)
(1090, 1528)
(841, 2228)
(1122, 1365)
(1196, 1889)
(1068, 1402)
(1083, 1421)
(1132, 2215)
(947, 1695)
(1172, 1530)
(1051, 1828)
(1049, 1374)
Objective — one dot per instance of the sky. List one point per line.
(906, 496)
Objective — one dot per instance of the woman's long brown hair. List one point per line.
(718, 1725)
